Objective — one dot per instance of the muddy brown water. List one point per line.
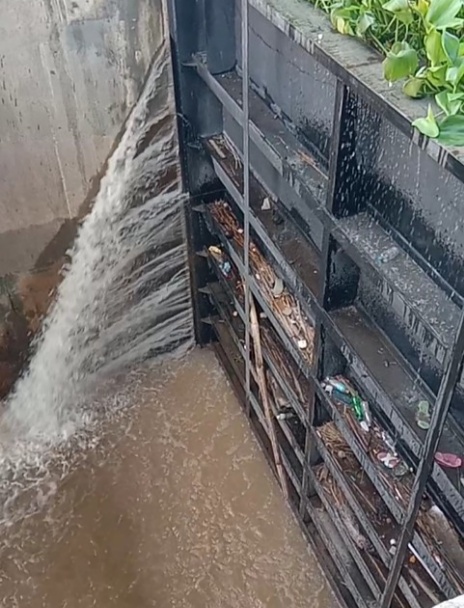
(172, 506)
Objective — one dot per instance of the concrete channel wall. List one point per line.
(70, 71)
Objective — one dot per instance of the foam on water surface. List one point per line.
(170, 502)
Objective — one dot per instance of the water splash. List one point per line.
(125, 295)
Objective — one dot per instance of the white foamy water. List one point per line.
(125, 296)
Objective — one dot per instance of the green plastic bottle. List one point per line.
(358, 409)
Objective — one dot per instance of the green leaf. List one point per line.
(366, 21)
(422, 7)
(396, 6)
(450, 44)
(455, 73)
(401, 10)
(405, 17)
(413, 87)
(456, 96)
(341, 17)
(450, 103)
(434, 47)
(443, 13)
(456, 24)
(428, 125)
(452, 131)
(400, 62)
(436, 76)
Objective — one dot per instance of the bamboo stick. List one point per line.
(259, 366)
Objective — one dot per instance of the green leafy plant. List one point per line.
(423, 45)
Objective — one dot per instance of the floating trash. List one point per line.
(284, 415)
(266, 206)
(226, 268)
(423, 415)
(389, 442)
(339, 385)
(449, 461)
(389, 460)
(278, 288)
(393, 462)
(216, 252)
(340, 389)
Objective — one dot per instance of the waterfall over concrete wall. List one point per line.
(70, 72)
(125, 296)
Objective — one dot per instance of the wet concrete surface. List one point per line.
(172, 505)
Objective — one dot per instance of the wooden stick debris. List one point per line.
(259, 366)
(284, 305)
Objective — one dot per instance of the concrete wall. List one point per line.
(70, 70)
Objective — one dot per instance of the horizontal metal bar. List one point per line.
(214, 85)
(210, 320)
(364, 240)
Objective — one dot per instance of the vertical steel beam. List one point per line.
(246, 188)
(334, 171)
(336, 153)
(220, 35)
(343, 195)
(439, 414)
